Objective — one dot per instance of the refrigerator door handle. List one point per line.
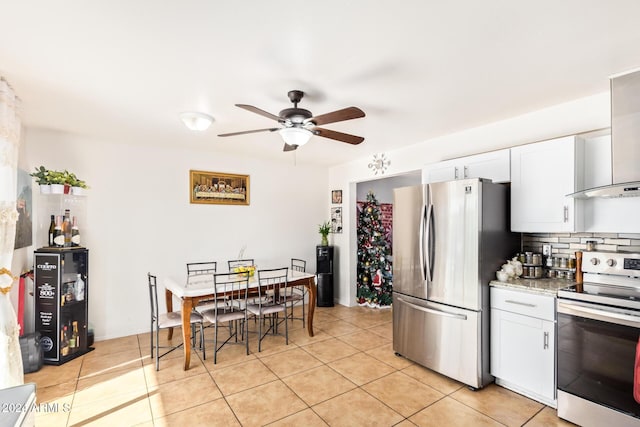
(422, 242)
(433, 310)
(429, 236)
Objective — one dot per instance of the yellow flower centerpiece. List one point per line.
(250, 268)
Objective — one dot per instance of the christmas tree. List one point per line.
(374, 266)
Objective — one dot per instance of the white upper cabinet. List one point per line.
(542, 174)
(494, 165)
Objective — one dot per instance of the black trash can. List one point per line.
(324, 272)
(32, 353)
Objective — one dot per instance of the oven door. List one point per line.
(596, 354)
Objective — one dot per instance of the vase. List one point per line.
(57, 189)
(324, 241)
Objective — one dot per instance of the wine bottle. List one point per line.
(52, 227)
(75, 233)
(66, 228)
(76, 336)
(79, 288)
(58, 235)
(64, 344)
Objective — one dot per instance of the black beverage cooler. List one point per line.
(324, 272)
(61, 310)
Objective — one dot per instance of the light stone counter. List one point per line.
(538, 286)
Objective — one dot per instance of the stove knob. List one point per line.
(611, 262)
(595, 261)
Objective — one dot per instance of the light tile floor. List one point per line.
(346, 375)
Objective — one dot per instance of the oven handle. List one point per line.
(597, 314)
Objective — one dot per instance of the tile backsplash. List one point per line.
(569, 243)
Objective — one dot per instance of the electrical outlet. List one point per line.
(546, 250)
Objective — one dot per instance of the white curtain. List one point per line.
(11, 373)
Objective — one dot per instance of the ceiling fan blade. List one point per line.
(249, 131)
(258, 111)
(288, 147)
(338, 136)
(338, 116)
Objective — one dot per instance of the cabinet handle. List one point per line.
(466, 174)
(526, 304)
(546, 340)
(566, 214)
(455, 172)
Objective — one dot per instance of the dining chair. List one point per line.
(234, 287)
(172, 319)
(240, 263)
(195, 269)
(274, 279)
(248, 262)
(297, 294)
(198, 272)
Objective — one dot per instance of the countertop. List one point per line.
(538, 286)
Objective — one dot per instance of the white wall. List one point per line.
(569, 118)
(139, 218)
(383, 187)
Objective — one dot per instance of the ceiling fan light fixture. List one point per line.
(194, 120)
(295, 136)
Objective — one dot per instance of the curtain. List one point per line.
(11, 372)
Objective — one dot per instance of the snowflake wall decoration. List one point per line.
(380, 163)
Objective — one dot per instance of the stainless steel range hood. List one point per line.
(625, 139)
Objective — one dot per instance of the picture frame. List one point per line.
(336, 197)
(218, 188)
(336, 220)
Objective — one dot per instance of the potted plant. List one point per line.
(324, 229)
(43, 179)
(57, 180)
(77, 185)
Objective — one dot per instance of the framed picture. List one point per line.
(336, 196)
(218, 188)
(336, 220)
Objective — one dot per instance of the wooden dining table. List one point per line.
(190, 292)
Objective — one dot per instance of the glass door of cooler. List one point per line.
(61, 281)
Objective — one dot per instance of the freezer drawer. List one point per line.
(445, 339)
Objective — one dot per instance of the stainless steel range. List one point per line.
(598, 333)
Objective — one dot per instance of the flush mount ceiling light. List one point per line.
(195, 120)
(295, 136)
(379, 163)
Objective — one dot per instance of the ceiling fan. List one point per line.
(298, 124)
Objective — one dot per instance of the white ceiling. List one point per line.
(122, 70)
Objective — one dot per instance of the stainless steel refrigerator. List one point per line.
(449, 238)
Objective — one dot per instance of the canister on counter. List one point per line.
(537, 259)
(551, 274)
(537, 272)
(528, 257)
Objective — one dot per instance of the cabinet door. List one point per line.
(495, 165)
(542, 174)
(447, 170)
(523, 352)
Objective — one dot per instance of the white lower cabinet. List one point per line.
(523, 343)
